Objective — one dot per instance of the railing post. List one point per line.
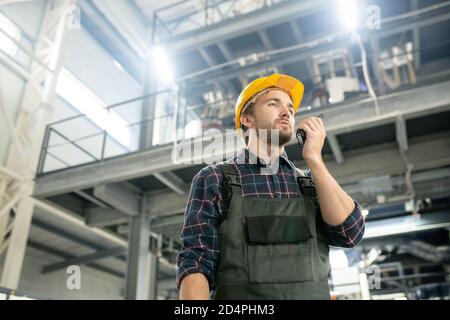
(104, 144)
(43, 152)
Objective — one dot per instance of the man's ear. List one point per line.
(247, 120)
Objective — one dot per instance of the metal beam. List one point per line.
(335, 148)
(71, 218)
(338, 119)
(408, 224)
(245, 24)
(118, 16)
(121, 196)
(14, 66)
(86, 259)
(163, 203)
(90, 198)
(268, 45)
(415, 24)
(401, 134)
(62, 254)
(43, 208)
(93, 20)
(173, 182)
(280, 59)
(66, 235)
(211, 62)
(223, 47)
(433, 176)
(300, 38)
(104, 217)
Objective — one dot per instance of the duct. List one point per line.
(423, 251)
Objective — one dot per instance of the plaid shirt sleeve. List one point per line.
(348, 234)
(199, 236)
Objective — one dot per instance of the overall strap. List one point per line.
(305, 184)
(231, 180)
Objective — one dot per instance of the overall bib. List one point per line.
(271, 248)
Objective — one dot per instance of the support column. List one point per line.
(34, 113)
(148, 109)
(141, 264)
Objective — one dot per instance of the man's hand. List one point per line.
(315, 138)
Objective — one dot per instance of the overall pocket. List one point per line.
(279, 249)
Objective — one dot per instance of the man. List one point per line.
(253, 233)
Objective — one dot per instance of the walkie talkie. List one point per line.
(301, 134)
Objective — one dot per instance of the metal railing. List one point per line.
(78, 140)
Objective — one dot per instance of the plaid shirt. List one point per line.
(207, 208)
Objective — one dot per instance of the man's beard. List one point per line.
(274, 136)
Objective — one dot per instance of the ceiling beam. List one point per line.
(211, 62)
(268, 45)
(299, 37)
(61, 254)
(172, 181)
(93, 20)
(104, 217)
(226, 52)
(244, 24)
(86, 259)
(121, 14)
(121, 196)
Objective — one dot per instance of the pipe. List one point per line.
(59, 213)
(366, 73)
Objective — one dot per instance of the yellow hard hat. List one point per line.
(293, 87)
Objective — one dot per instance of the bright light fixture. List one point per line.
(160, 62)
(348, 13)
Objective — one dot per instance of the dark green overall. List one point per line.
(271, 248)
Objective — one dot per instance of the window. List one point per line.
(87, 102)
(6, 44)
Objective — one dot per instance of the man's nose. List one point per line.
(284, 112)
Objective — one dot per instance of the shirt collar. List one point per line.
(245, 156)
